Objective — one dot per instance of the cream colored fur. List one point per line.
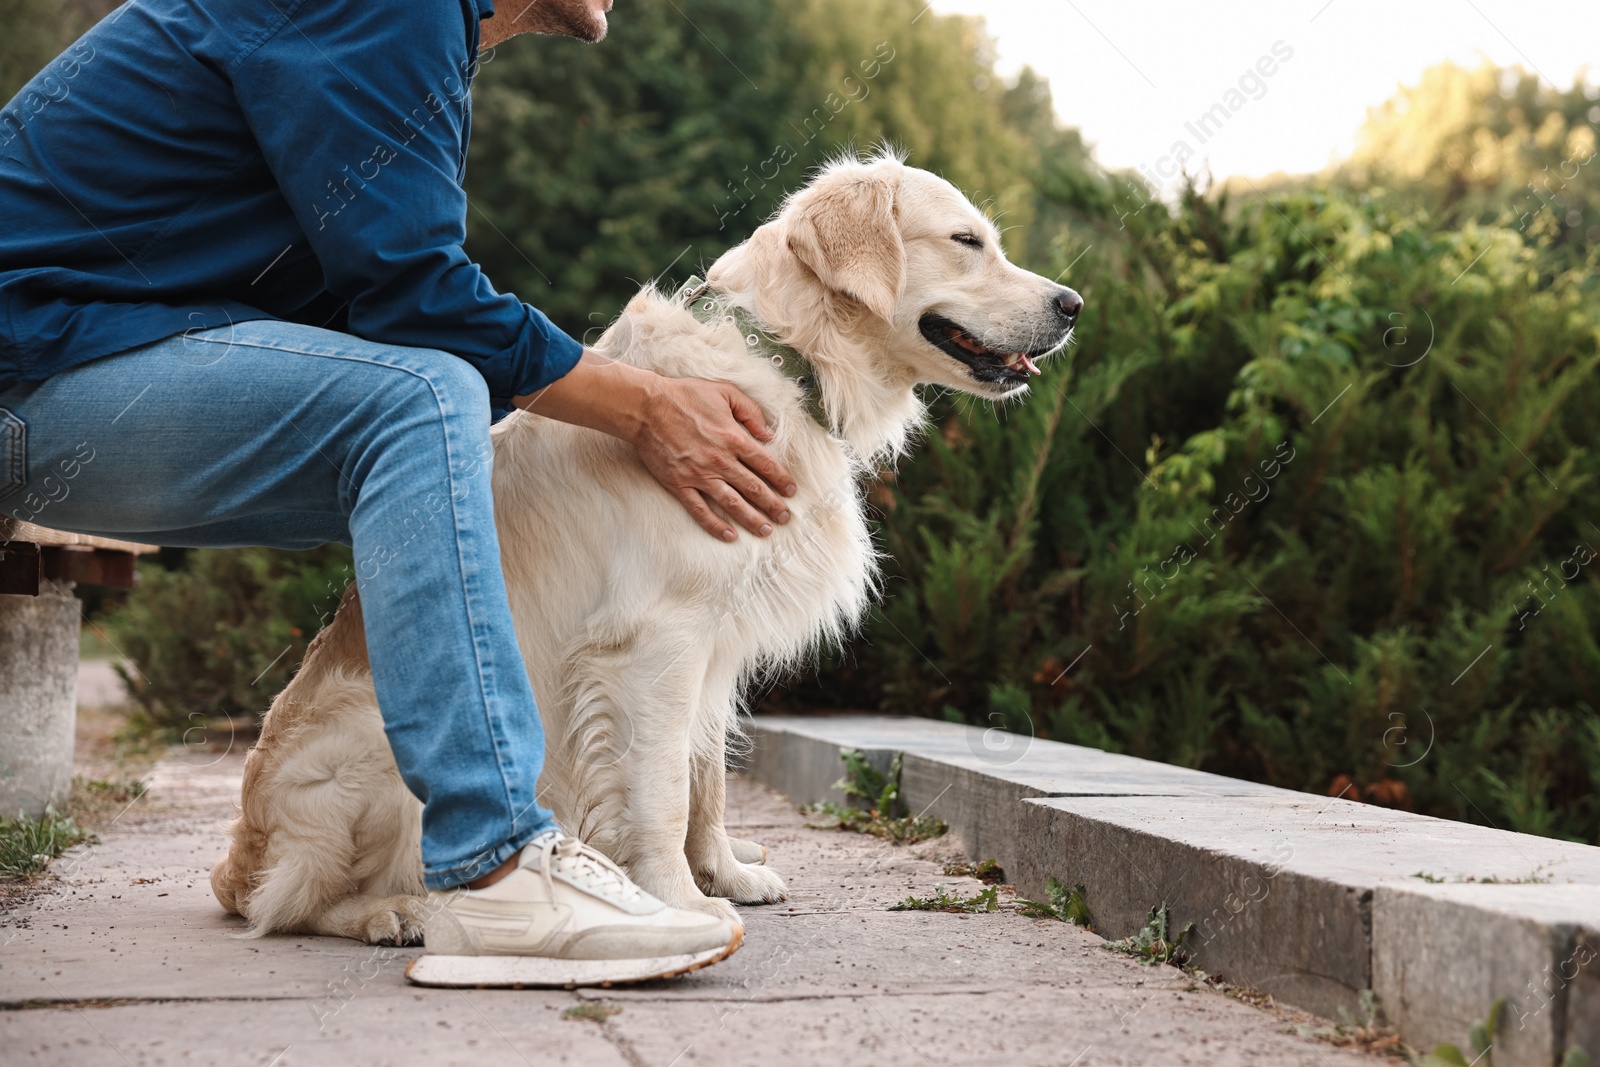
(639, 631)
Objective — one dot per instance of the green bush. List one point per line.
(223, 635)
(1311, 496)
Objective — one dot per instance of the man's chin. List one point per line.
(568, 18)
(594, 31)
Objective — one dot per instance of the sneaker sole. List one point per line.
(544, 972)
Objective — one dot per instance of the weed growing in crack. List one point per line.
(592, 1011)
(1480, 1037)
(1481, 1040)
(985, 871)
(874, 805)
(1156, 943)
(943, 900)
(1360, 1030)
(1067, 905)
(1538, 876)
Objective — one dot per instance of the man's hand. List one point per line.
(701, 439)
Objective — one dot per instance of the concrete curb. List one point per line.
(1451, 949)
(1312, 899)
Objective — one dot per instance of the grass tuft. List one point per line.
(28, 845)
(97, 801)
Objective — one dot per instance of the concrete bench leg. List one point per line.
(38, 699)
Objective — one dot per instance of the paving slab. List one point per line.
(125, 958)
(467, 1029)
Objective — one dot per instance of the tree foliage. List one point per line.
(1488, 144)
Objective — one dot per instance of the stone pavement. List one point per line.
(125, 958)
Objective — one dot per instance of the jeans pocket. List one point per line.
(13, 453)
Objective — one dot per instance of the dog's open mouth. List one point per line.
(986, 364)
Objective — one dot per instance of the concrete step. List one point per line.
(1309, 898)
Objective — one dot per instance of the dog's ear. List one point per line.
(846, 229)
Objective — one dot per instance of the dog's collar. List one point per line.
(707, 305)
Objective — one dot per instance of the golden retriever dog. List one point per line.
(640, 633)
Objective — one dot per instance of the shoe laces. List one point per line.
(580, 863)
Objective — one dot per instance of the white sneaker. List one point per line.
(566, 917)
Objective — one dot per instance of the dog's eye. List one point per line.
(971, 240)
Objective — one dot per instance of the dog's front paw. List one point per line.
(747, 851)
(746, 883)
(396, 921)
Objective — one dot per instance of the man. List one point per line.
(235, 310)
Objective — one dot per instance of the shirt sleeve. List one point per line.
(362, 112)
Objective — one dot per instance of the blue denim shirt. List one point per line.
(191, 163)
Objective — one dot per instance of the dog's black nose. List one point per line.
(1068, 304)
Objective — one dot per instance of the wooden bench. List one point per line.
(30, 555)
(39, 619)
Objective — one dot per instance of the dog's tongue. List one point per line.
(1028, 364)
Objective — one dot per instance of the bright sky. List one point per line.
(1131, 73)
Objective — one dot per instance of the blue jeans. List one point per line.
(286, 436)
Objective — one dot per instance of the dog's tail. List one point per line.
(301, 881)
(329, 819)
